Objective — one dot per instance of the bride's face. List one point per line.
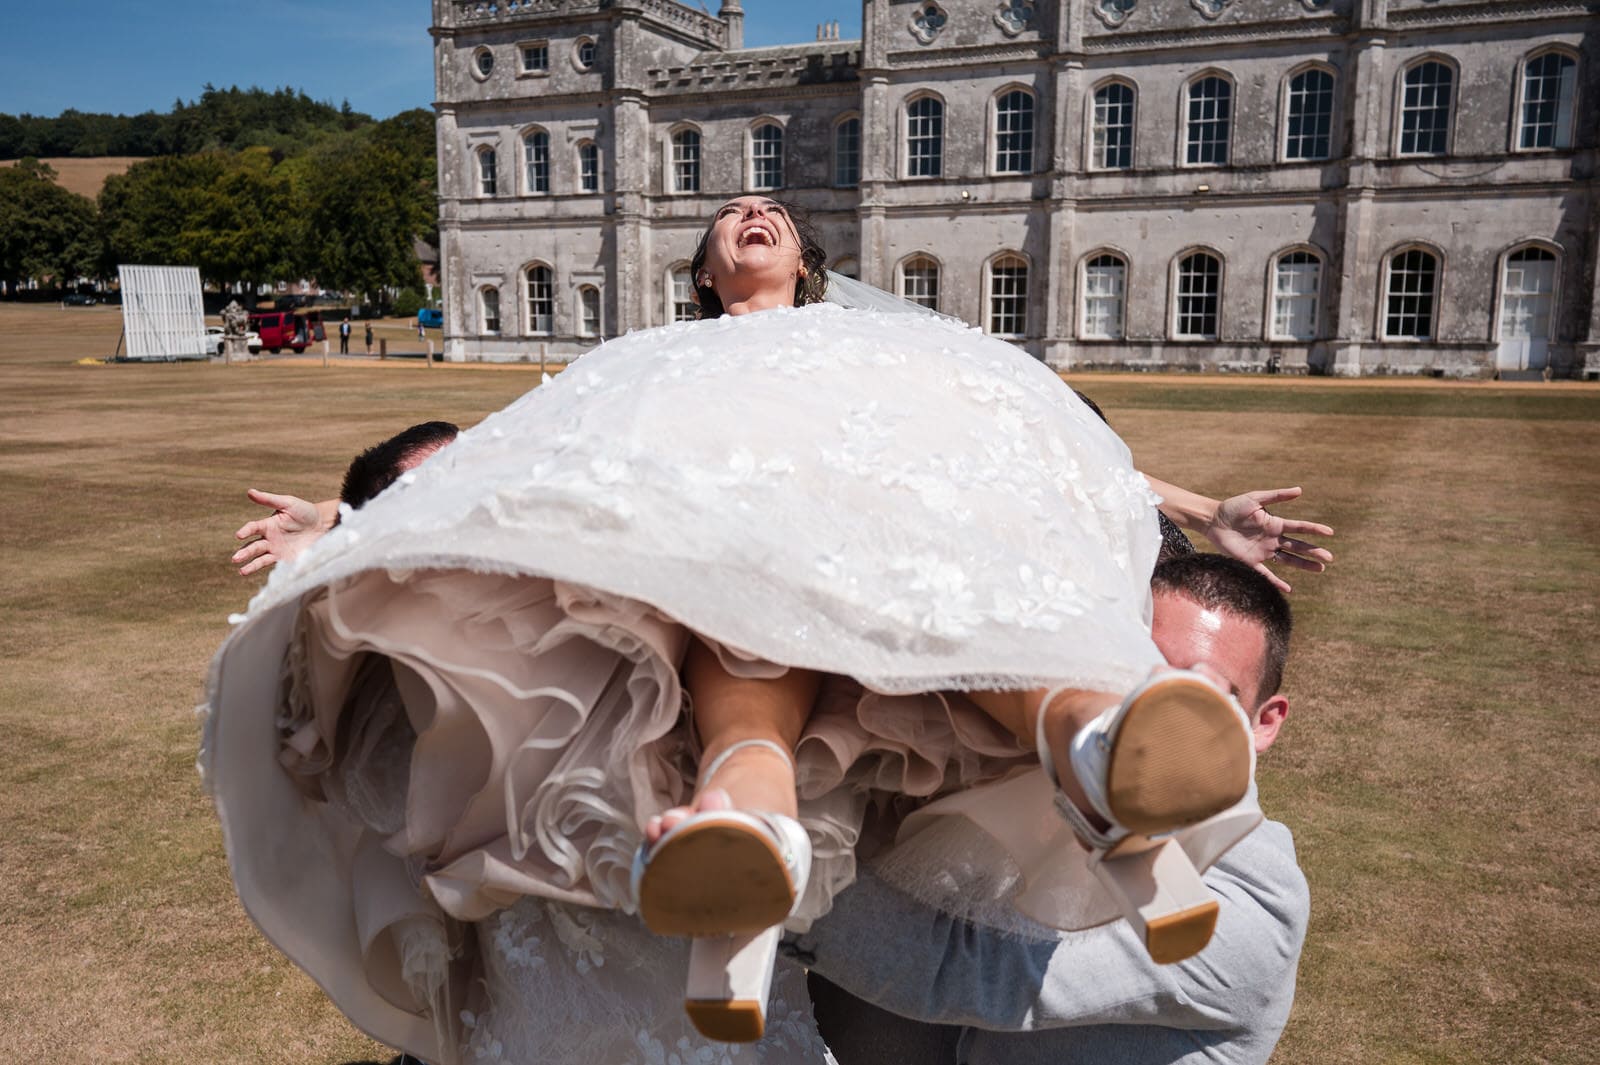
(753, 242)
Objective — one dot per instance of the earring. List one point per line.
(705, 280)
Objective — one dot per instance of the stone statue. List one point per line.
(235, 323)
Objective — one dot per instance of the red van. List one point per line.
(285, 329)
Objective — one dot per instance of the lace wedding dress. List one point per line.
(433, 739)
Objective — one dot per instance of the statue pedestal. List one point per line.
(236, 349)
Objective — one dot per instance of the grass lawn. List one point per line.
(1440, 769)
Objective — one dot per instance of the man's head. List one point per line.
(1217, 610)
(381, 465)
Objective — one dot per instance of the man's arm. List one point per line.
(892, 951)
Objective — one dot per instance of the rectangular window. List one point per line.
(1310, 118)
(541, 300)
(684, 308)
(487, 167)
(491, 311)
(1425, 110)
(925, 138)
(535, 58)
(1008, 298)
(1104, 282)
(1409, 310)
(1113, 127)
(536, 161)
(588, 167)
(920, 283)
(847, 153)
(1210, 119)
(686, 161)
(766, 157)
(1013, 129)
(1296, 286)
(589, 311)
(1549, 86)
(1199, 289)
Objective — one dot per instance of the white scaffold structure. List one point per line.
(163, 316)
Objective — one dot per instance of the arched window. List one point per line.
(686, 160)
(588, 311)
(1411, 286)
(1013, 132)
(1549, 90)
(1308, 115)
(536, 161)
(588, 166)
(1008, 296)
(925, 137)
(680, 295)
(847, 267)
(1210, 121)
(1105, 285)
(488, 184)
(1198, 296)
(766, 156)
(489, 309)
(541, 291)
(1113, 127)
(847, 152)
(1425, 108)
(919, 281)
(1296, 293)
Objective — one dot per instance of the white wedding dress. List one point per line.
(433, 739)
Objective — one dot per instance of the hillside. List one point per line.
(84, 176)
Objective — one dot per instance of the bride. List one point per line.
(891, 556)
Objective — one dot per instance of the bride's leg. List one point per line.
(1069, 711)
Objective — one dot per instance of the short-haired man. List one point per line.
(897, 982)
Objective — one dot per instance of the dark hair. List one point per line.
(807, 289)
(1218, 582)
(1173, 542)
(382, 464)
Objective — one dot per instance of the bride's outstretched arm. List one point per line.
(1242, 526)
(293, 526)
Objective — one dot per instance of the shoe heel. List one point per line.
(1162, 897)
(729, 980)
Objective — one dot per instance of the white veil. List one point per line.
(860, 296)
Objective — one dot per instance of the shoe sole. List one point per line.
(1178, 757)
(1176, 936)
(716, 878)
(737, 1021)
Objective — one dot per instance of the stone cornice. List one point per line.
(1021, 51)
(1491, 11)
(1228, 33)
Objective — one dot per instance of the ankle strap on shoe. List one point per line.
(707, 772)
(1064, 805)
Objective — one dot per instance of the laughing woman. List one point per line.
(654, 637)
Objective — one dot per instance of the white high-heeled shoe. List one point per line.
(1176, 753)
(730, 878)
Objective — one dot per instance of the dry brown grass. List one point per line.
(85, 176)
(1439, 770)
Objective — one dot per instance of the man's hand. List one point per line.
(293, 526)
(1243, 528)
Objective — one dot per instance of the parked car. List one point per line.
(79, 299)
(285, 329)
(213, 344)
(431, 318)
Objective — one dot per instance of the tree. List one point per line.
(365, 208)
(46, 232)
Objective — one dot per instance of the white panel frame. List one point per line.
(163, 315)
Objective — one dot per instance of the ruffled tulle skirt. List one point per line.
(462, 706)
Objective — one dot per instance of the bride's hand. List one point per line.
(293, 526)
(1244, 528)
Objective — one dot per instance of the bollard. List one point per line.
(383, 347)
(430, 354)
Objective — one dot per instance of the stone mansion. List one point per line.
(1339, 186)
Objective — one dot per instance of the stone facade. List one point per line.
(1343, 186)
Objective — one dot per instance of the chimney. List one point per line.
(732, 15)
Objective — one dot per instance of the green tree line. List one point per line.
(341, 204)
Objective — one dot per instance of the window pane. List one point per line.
(1199, 289)
(491, 310)
(1529, 291)
(1310, 125)
(1008, 297)
(1425, 110)
(1113, 127)
(535, 57)
(536, 161)
(925, 138)
(1014, 133)
(683, 305)
(487, 182)
(589, 311)
(1409, 313)
(541, 300)
(919, 282)
(847, 152)
(1549, 83)
(1296, 285)
(1104, 282)
(766, 157)
(589, 167)
(1210, 116)
(686, 161)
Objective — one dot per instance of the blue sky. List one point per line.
(128, 56)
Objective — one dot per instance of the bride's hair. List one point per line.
(807, 289)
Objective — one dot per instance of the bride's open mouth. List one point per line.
(761, 233)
